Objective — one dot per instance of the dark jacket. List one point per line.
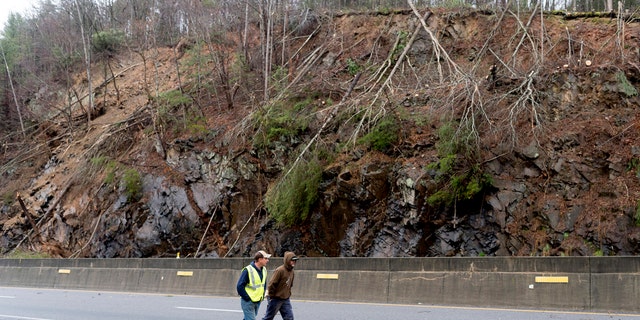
(282, 279)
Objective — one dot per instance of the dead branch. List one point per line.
(304, 44)
(620, 32)
(58, 199)
(527, 97)
(53, 207)
(438, 49)
(399, 62)
(386, 64)
(329, 118)
(485, 46)
(242, 229)
(102, 85)
(402, 55)
(26, 211)
(93, 233)
(206, 230)
(525, 34)
(308, 62)
(306, 66)
(504, 64)
(373, 46)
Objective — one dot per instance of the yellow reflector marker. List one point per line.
(185, 273)
(331, 276)
(64, 271)
(552, 279)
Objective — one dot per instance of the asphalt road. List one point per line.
(47, 304)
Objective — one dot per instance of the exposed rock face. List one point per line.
(569, 187)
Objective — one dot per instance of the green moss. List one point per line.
(626, 86)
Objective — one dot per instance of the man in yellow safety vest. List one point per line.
(252, 284)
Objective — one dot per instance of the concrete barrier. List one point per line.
(551, 283)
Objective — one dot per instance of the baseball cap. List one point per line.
(263, 254)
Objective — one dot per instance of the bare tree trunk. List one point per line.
(13, 91)
(284, 32)
(542, 36)
(268, 21)
(113, 76)
(176, 58)
(87, 59)
(145, 73)
(246, 31)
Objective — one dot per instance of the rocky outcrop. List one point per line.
(566, 184)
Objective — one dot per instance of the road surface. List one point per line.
(49, 304)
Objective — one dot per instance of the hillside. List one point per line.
(465, 133)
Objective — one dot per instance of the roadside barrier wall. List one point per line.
(601, 284)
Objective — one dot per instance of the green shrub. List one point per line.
(634, 165)
(107, 42)
(420, 119)
(440, 197)
(8, 197)
(636, 217)
(460, 188)
(99, 161)
(458, 175)
(132, 184)
(175, 112)
(352, 67)
(280, 121)
(197, 129)
(108, 165)
(130, 179)
(383, 135)
(402, 43)
(173, 99)
(291, 199)
(448, 143)
(301, 105)
(195, 125)
(279, 78)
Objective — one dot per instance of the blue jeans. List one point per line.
(282, 305)
(249, 309)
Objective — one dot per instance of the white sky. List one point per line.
(16, 6)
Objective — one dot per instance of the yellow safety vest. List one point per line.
(255, 287)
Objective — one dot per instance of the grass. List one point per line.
(22, 254)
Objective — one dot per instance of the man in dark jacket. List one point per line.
(279, 289)
(252, 284)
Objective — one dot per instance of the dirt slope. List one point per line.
(552, 105)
